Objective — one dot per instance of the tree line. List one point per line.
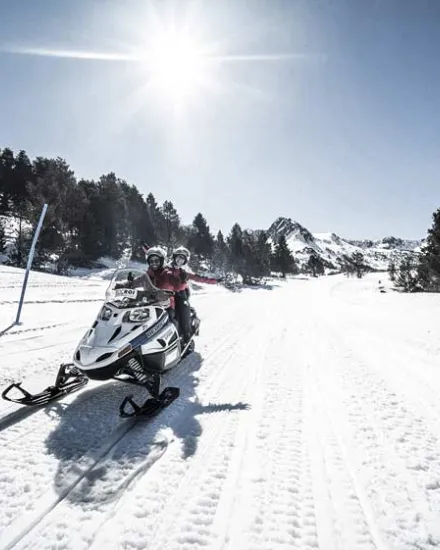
(89, 219)
(420, 272)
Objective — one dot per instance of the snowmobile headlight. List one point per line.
(106, 313)
(137, 315)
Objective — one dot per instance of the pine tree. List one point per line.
(236, 249)
(220, 258)
(283, 260)
(113, 215)
(7, 165)
(407, 278)
(90, 228)
(23, 179)
(392, 270)
(139, 226)
(357, 259)
(2, 237)
(263, 253)
(201, 242)
(171, 225)
(429, 268)
(315, 265)
(54, 183)
(248, 266)
(157, 221)
(20, 245)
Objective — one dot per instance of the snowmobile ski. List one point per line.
(69, 379)
(151, 405)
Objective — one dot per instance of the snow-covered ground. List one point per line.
(308, 418)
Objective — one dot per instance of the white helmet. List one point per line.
(181, 251)
(156, 251)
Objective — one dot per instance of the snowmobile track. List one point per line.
(379, 424)
(185, 506)
(174, 415)
(24, 524)
(272, 449)
(351, 520)
(14, 415)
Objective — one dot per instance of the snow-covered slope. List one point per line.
(318, 430)
(334, 250)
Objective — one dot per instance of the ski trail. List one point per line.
(419, 381)
(206, 494)
(387, 442)
(201, 502)
(274, 463)
(224, 343)
(162, 490)
(345, 516)
(47, 502)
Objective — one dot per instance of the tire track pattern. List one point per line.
(136, 445)
(400, 458)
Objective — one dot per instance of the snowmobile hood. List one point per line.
(91, 356)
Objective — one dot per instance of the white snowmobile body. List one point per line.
(132, 335)
(132, 340)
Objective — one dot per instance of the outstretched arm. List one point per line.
(200, 279)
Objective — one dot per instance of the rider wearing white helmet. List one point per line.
(166, 278)
(155, 257)
(180, 258)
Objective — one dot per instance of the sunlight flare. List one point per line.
(176, 65)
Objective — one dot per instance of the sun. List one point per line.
(176, 65)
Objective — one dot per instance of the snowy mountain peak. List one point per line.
(287, 228)
(335, 251)
(389, 243)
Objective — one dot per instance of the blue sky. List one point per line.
(325, 112)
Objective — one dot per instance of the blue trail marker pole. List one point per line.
(29, 262)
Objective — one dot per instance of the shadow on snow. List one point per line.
(86, 426)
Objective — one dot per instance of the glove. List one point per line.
(128, 284)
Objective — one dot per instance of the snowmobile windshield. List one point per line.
(133, 288)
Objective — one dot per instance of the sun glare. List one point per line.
(176, 66)
(173, 65)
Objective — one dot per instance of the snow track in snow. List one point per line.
(396, 455)
(66, 482)
(49, 500)
(309, 420)
(105, 501)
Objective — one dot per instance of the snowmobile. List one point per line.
(132, 340)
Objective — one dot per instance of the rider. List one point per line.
(180, 258)
(165, 278)
(175, 278)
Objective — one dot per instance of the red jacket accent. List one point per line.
(165, 279)
(175, 279)
(183, 276)
(200, 279)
